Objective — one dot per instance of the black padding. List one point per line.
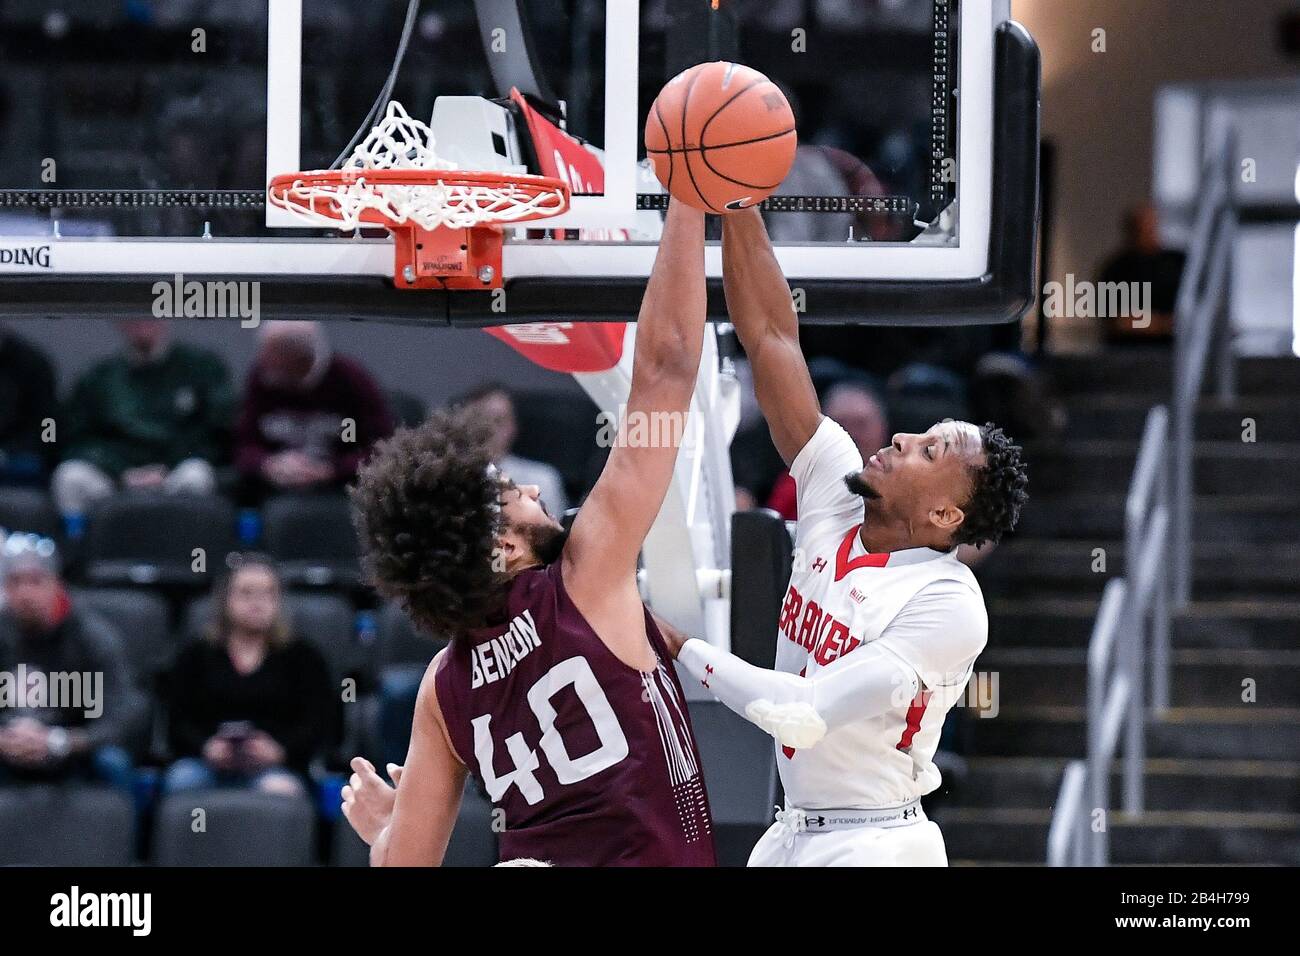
(740, 775)
(761, 560)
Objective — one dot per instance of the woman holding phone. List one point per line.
(250, 705)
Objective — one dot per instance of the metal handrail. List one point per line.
(1201, 319)
(1133, 622)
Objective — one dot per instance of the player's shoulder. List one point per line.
(957, 596)
(953, 582)
(437, 672)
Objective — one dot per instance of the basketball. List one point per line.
(721, 136)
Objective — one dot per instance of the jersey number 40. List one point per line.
(575, 672)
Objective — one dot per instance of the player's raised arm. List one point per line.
(607, 535)
(760, 306)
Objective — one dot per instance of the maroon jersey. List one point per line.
(592, 762)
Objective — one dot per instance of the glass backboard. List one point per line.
(138, 138)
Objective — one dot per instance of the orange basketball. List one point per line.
(721, 136)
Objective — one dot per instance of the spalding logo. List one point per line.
(28, 256)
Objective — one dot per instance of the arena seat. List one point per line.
(65, 826)
(401, 656)
(30, 510)
(395, 699)
(740, 773)
(138, 538)
(473, 842)
(400, 643)
(240, 828)
(141, 619)
(311, 537)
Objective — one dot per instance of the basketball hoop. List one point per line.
(447, 222)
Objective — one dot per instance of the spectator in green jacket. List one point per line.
(154, 417)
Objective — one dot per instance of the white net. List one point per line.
(403, 142)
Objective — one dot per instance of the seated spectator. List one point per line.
(860, 413)
(249, 705)
(57, 726)
(309, 417)
(1144, 259)
(498, 411)
(154, 417)
(27, 400)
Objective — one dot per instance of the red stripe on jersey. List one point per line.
(914, 714)
(842, 563)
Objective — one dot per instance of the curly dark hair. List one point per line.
(426, 508)
(999, 490)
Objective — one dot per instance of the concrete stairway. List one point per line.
(1223, 781)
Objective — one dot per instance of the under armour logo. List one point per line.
(909, 813)
(708, 669)
(819, 564)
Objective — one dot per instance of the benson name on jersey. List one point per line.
(495, 659)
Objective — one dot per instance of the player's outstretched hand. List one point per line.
(368, 799)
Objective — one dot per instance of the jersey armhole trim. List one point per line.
(440, 662)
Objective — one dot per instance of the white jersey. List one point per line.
(921, 605)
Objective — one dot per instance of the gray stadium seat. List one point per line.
(141, 620)
(29, 510)
(312, 538)
(65, 826)
(400, 643)
(740, 773)
(138, 538)
(473, 842)
(241, 828)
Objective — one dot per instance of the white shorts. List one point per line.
(918, 844)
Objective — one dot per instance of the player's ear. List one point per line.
(947, 518)
(510, 550)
